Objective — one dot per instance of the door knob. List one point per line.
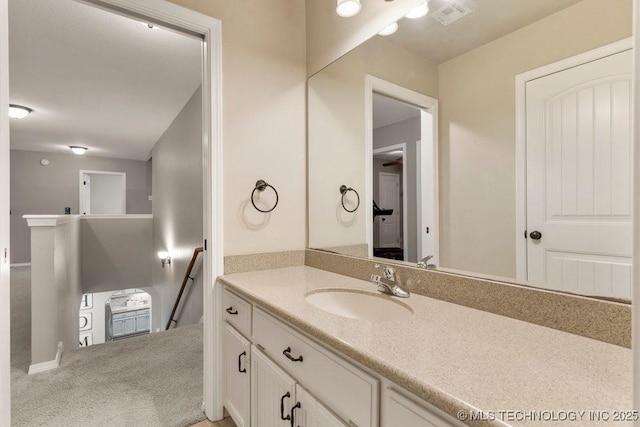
(383, 219)
(535, 235)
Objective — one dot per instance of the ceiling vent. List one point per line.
(450, 13)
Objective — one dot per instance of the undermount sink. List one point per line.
(359, 305)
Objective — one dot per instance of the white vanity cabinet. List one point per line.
(398, 410)
(309, 412)
(277, 400)
(273, 392)
(236, 375)
(278, 377)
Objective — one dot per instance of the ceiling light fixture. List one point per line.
(418, 11)
(348, 8)
(389, 29)
(19, 111)
(78, 150)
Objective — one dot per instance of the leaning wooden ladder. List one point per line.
(186, 279)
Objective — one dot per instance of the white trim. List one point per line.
(21, 264)
(5, 248)
(427, 157)
(49, 220)
(82, 188)
(521, 136)
(49, 365)
(126, 216)
(405, 235)
(210, 29)
(635, 326)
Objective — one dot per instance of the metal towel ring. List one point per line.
(344, 190)
(262, 185)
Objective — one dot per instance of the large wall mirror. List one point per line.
(492, 137)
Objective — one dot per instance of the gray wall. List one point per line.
(37, 189)
(177, 211)
(406, 131)
(116, 253)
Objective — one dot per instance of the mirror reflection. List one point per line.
(489, 137)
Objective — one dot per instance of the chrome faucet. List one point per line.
(389, 284)
(424, 263)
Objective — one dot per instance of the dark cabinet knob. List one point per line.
(535, 235)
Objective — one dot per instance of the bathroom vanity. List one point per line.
(289, 362)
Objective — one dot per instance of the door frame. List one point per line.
(427, 156)
(82, 202)
(521, 135)
(405, 229)
(210, 30)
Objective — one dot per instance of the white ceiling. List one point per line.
(387, 111)
(488, 21)
(96, 79)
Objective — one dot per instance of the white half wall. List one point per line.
(55, 285)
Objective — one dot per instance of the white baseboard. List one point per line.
(23, 264)
(49, 365)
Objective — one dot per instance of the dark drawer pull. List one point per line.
(287, 352)
(297, 405)
(230, 310)
(240, 368)
(282, 417)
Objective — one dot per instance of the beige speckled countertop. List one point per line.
(455, 357)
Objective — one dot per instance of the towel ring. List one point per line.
(262, 185)
(344, 190)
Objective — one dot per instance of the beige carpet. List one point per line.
(152, 380)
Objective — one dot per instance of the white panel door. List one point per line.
(309, 412)
(236, 375)
(389, 198)
(272, 392)
(579, 178)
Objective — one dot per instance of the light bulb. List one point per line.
(18, 111)
(389, 29)
(78, 150)
(418, 11)
(348, 8)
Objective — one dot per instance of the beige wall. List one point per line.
(264, 120)
(477, 129)
(337, 133)
(330, 36)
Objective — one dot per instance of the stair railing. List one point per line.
(186, 279)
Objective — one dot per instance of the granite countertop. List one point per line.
(458, 358)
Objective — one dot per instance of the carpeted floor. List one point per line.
(152, 380)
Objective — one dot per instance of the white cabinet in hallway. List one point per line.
(236, 375)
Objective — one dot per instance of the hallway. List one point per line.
(153, 380)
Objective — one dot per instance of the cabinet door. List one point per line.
(236, 375)
(309, 412)
(272, 392)
(142, 321)
(400, 411)
(130, 325)
(118, 327)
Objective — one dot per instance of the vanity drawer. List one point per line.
(351, 393)
(237, 312)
